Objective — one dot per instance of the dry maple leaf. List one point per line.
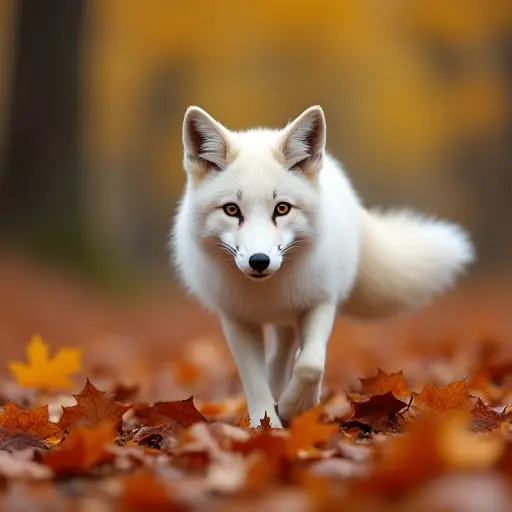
(43, 372)
(93, 407)
(33, 421)
(451, 397)
(484, 418)
(81, 450)
(378, 409)
(306, 431)
(382, 383)
(182, 412)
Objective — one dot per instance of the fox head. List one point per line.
(254, 193)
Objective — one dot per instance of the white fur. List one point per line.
(372, 264)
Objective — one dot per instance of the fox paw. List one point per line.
(302, 393)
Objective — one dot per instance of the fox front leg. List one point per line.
(303, 390)
(247, 347)
(280, 357)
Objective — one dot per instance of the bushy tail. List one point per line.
(406, 260)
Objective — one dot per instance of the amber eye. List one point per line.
(282, 209)
(231, 209)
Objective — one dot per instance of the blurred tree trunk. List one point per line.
(40, 199)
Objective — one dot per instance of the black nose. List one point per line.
(259, 262)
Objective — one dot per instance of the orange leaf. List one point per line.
(447, 398)
(33, 421)
(432, 445)
(274, 447)
(211, 409)
(144, 492)
(93, 407)
(186, 372)
(81, 450)
(43, 372)
(382, 383)
(244, 421)
(306, 430)
(182, 412)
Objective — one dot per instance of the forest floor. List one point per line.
(415, 412)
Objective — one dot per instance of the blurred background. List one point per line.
(418, 100)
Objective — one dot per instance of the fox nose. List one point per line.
(259, 262)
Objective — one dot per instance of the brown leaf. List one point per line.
(265, 422)
(378, 409)
(306, 431)
(124, 393)
(382, 383)
(453, 396)
(484, 418)
(82, 450)
(182, 412)
(93, 408)
(32, 421)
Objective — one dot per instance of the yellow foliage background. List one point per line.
(411, 89)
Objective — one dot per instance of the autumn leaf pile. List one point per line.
(378, 444)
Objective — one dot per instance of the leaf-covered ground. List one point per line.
(138, 407)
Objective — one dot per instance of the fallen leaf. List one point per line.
(81, 450)
(93, 407)
(378, 411)
(461, 448)
(484, 418)
(383, 383)
(272, 446)
(453, 396)
(143, 491)
(186, 372)
(244, 421)
(124, 393)
(182, 412)
(306, 431)
(265, 422)
(435, 444)
(32, 421)
(211, 409)
(44, 373)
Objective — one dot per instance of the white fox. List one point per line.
(271, 234)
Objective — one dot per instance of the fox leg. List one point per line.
(246, 343)
(280, 356)
(303, 390)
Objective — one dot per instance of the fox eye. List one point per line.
(232, 210)
(282, 209)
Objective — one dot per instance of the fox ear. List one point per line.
(205, 142)
(303, 141)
